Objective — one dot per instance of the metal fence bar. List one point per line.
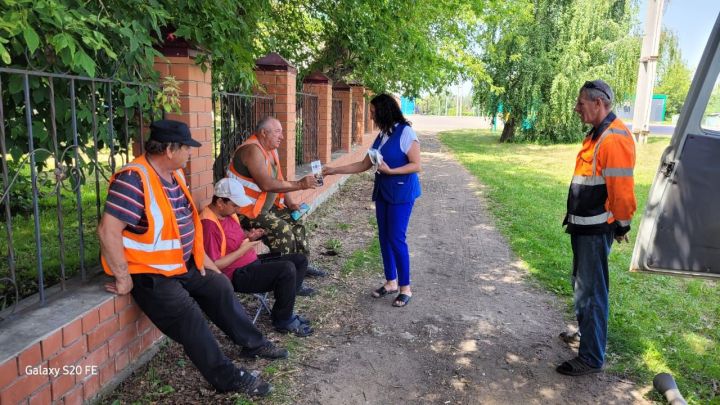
(58, 190)
(33, 177)
(6, 203)
(367, 117)
(355, 138)
(238, 115)
(111, 131)
(306, 132)
(96, 147)
(337, 123)
(78, 192)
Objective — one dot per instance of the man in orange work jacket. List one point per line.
(600, 206)
(255, 164)
(151, 242)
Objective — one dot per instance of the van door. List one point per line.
(680, 229)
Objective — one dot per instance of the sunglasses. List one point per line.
(591, 85)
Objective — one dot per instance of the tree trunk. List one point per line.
(508, 130)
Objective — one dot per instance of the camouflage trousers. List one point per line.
(282, 234)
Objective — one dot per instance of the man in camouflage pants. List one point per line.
(256, 165)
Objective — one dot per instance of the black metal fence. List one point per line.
(60, 135)
(367, 117)
(337, 123)
(355, 132)
(236, 116)
(306, 129)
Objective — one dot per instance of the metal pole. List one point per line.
(646, 71)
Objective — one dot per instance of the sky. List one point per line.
(691, 20)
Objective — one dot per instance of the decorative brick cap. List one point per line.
(317, 77)
(176, 46)
(341, 86)
(274, 62)
(355, 83)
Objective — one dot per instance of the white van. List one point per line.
(680, 230)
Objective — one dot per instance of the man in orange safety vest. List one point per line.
(600, 206)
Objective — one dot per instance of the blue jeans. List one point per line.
(591, 285)
(392, 222)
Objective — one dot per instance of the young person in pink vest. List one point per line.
(232, 249)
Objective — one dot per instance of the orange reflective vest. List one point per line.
(252, 190)
(159, 250)
(207, 213)
(602, 187)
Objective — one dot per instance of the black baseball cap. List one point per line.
(167, 131)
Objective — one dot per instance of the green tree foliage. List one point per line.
(399, 45)
(114, 39)
(673, 75)
(537, 54)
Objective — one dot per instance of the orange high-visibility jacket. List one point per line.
(602, 187)
(252, 191)
(207, 213)
(159, 250)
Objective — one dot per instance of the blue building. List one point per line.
(407, 106)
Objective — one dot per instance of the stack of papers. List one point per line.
(376, 158)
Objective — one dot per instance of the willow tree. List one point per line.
(538, 57)
(673, 75)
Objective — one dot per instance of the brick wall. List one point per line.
(94, 350)
(196, 107)
(99, 338)
(277, 77)
(91, 351)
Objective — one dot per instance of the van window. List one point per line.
(711, 117)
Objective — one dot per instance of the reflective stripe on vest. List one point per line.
(594, 220)
(209, 214)
(618, 172)
(252, 190)
(158, 250)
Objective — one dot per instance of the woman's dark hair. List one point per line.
(387, 112)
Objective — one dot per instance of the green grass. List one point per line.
(365, 261)
(52, 255)
(657, 323)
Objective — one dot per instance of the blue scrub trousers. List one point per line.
(392, 222)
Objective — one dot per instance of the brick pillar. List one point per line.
(357, 94)
(371, 127)
(321, 86)
(277, 78)
(196, 112)
(341, 91)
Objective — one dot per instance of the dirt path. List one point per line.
(476, 330)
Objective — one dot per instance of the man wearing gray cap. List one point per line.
(600, 206)
(151, 243)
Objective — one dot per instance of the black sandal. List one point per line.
(576, 367)
(381, 292)
(401, 300)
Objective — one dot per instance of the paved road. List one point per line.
(439, 123)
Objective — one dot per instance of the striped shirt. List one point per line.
(126, 202)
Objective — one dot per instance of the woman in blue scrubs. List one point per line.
(395, 190)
